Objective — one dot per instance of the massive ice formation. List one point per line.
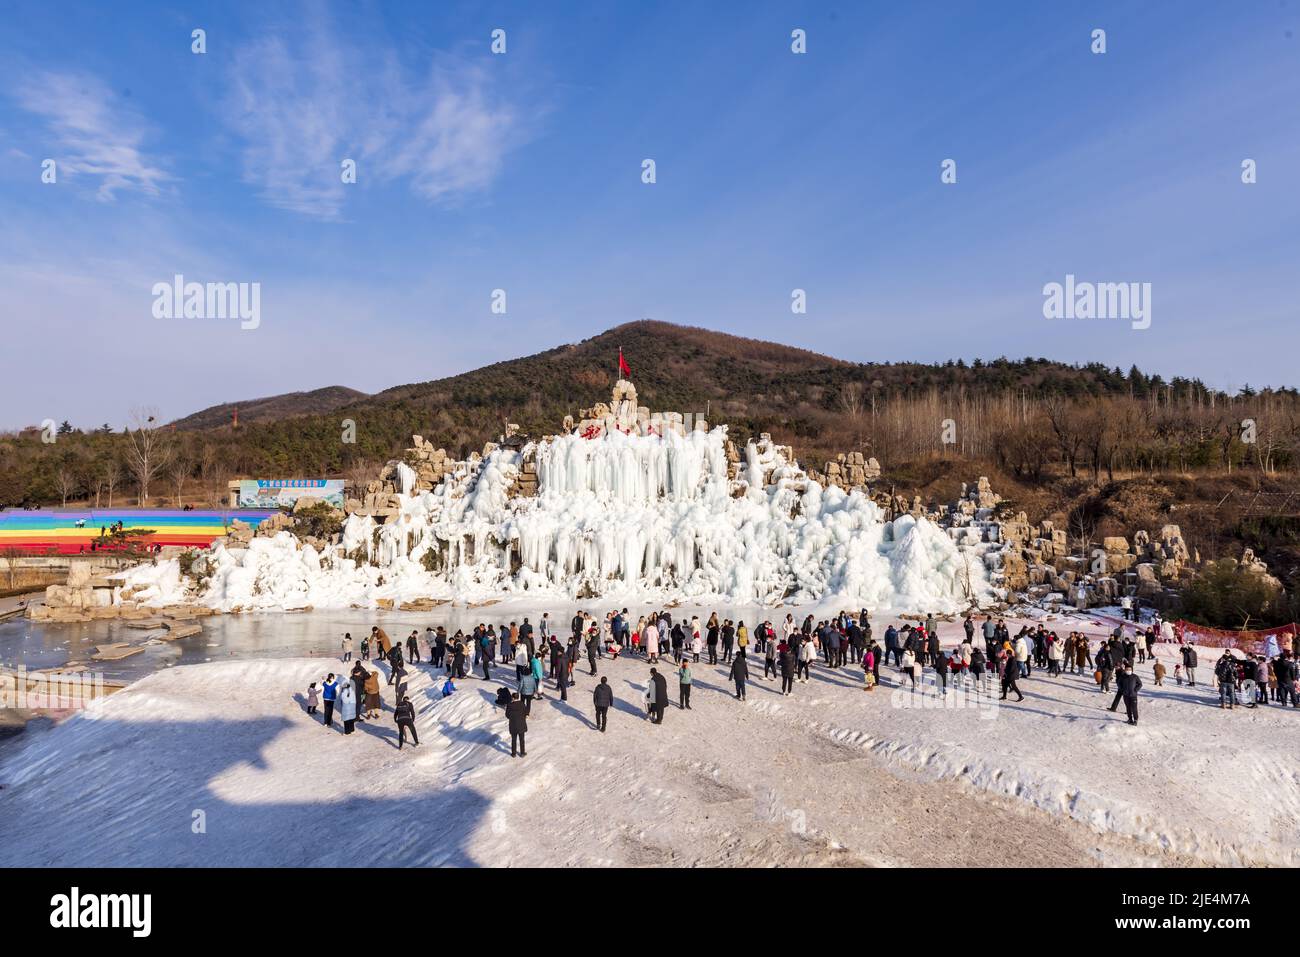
(651, 517)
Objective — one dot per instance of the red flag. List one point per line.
(623, 368)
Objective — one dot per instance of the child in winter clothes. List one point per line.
(868, 670)
(311, 698)
(1159, 670)
(1178, 674)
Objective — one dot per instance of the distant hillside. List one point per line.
(750, 384)
(1026, 419)
(271, 408)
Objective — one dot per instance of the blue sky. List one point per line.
(522, 172)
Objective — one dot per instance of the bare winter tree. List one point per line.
(148, 449)
(1064, 420)
(1083, 527)
(852, 402)
(112, 477)
(180, 472)
(358, 473)
(66, 480)
(212, 474)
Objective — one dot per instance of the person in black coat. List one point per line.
(857, 642)
(740, 673)
(359, 675)
(977, 664)
(1189, 664)
(1009, 675)
(1129, 685)
(561, 675)
(518, 720)
(1284, 669)
(603, 698)
(659, 696)
(396, 668)
(557, 656)
(404, 715)
(788, 668)
(1106, 665)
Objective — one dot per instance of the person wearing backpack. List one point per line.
(1226, 672)
(527, 689)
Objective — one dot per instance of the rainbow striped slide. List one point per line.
(56, 530)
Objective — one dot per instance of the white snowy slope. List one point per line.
(829, 775)
(636, 517)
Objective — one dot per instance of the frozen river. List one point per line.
(301, 634)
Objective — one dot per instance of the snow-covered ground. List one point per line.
(829, 775)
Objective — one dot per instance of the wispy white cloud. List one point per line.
(303, 102)
(94, 134)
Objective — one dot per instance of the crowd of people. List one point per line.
(987, 659)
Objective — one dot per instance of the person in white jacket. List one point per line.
(1021, 649)
(806, 654)
(909, 665)
(1054, 655)
(348, 707)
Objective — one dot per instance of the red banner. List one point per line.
(1255, 642)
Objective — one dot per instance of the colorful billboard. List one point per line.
(282, 493)
(70, 531)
